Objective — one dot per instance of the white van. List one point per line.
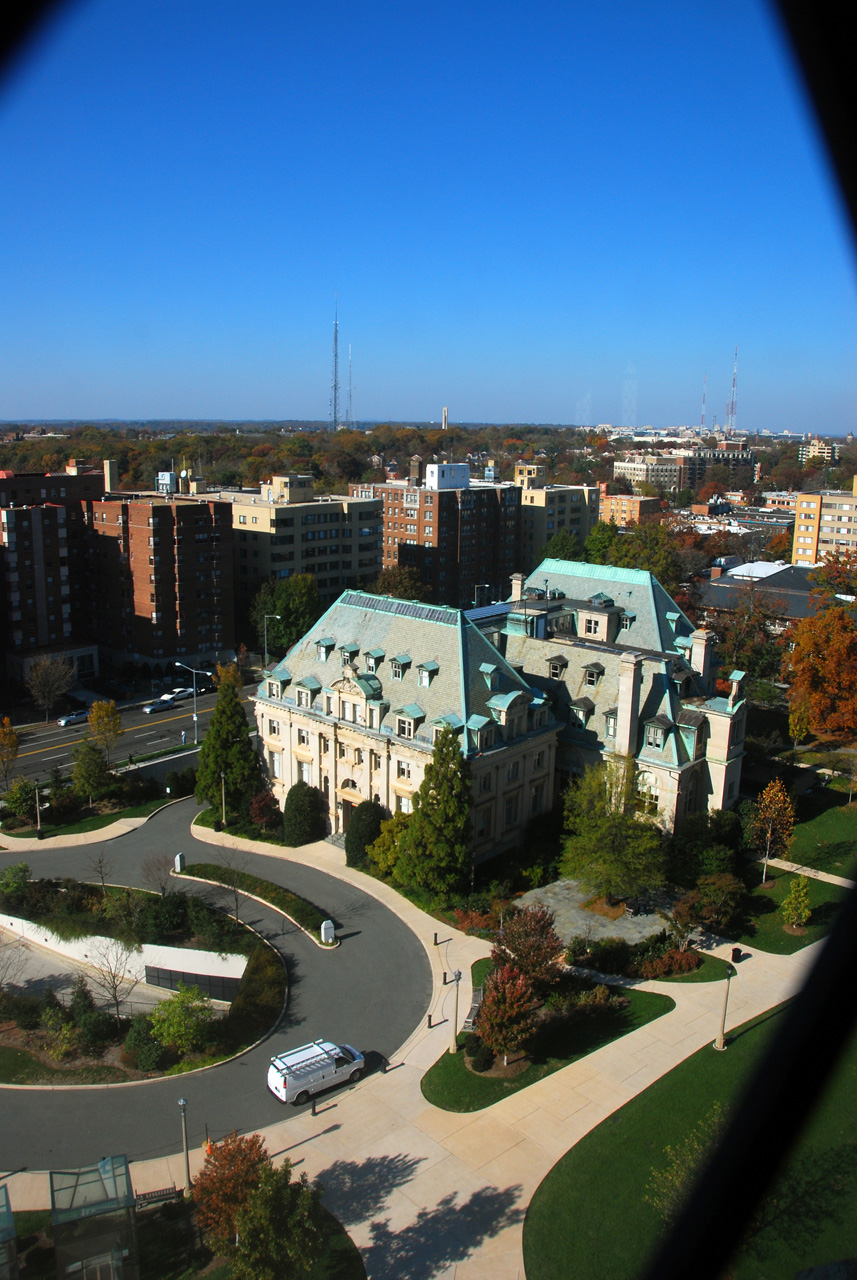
(294, 1076)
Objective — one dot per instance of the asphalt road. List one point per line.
(44, 747)
(370, 992)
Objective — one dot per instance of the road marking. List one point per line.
(61, 756)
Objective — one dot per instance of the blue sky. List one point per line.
(550, 212)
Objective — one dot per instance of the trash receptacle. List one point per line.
(736, 954)
(327, 934)
(179, 863)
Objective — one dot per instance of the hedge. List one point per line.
(304, 913)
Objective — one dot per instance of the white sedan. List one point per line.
(181, 694)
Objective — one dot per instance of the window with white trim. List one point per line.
(403, 768)
(303, 737)
(404, 727)
(305, 771)
(654, 735)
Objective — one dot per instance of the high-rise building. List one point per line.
(825, 524)
(462, 536)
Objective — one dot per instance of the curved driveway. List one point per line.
(371, 992)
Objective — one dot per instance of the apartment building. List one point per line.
(463, 536)
(73, 484)
(825, 524)
(818, 450)
(158, 578)
(623, 509)
(355, 707)
(548, 508)
(673, 470)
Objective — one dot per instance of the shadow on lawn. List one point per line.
(580, 1034)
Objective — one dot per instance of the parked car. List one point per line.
(296, 1075)
(74, 717)
(181, 694)
(163, 704)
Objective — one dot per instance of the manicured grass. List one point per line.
(826, 836)
(763, 922)
(95, 823)
(19, 1067)
(589, 1221)
(306, 914)
(712, 969)
(479, 971)
(450, 1085)
(209, 817)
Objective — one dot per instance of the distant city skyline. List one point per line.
(528, 214)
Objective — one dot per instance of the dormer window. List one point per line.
(610, 721)
(374, 658)
(348, 653)
(654, 736)
(426, 672)
(626, 621)
(490, 674)
(557, 666)
(323, 648)
(399, 665)
(273, 688)
(593, 672)
(404, 727)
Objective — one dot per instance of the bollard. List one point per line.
(429, 1022)
(444, 977)
(435, 939)
(383, 1066)
(313, 1104)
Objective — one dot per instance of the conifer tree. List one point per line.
(435, 851)
(227, 747)
(796, 908)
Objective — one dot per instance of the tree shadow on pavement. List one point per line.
(436, 1239)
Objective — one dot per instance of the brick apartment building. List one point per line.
(623, 509)
(159, 578)
(458, 533)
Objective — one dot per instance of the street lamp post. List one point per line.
(195, 673)
(223, 797)
(38, 813)
(453, 1044)
(183, 1110)
(720, 1042)
(267, 616)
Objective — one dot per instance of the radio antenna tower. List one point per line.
(349, 419)
(733, 399)
(702, 419)
(334, 381)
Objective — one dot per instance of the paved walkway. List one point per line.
(811, 872)
(427, 1193)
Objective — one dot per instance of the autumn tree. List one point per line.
(228, 673)
(608, 848)
(746, 640)
(403, 582)
(800, 718)
(529, 941)
(835, 577)
(280, 1228)
(772, 823)
(795, 907)
(105, 727)
(229, 1174)
(48, 679)
(8, 749)
(435, 847)
(506, 1013)
(821, 667)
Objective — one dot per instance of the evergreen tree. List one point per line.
(564, 545)
(89, 775)
(363, 830)
(304, 815)
(279, 1228)
(403, 582)
(227, 747)
(435, 852)
(796, 908)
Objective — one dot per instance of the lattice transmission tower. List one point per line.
(334, 381)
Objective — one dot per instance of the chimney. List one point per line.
(630, 678)
(702, 653)
(716, 570)
(518, 580)
(111, 475)
(71, 467)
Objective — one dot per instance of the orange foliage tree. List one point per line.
(506, 1013)
(772, 822)
(223, 1185)
(821, 668)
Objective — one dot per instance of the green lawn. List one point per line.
(19, 1067)
(826, 836)
(450, 1085)
(712, 969)
(589, 1221)
(94, 823)
(763, 922)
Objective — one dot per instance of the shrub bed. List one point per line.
(304, 913)
(655, 957)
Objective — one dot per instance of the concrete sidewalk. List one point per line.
(428, 1193)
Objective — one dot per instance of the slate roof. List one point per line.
(458, 690)
(658, 622)
(787, 592)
